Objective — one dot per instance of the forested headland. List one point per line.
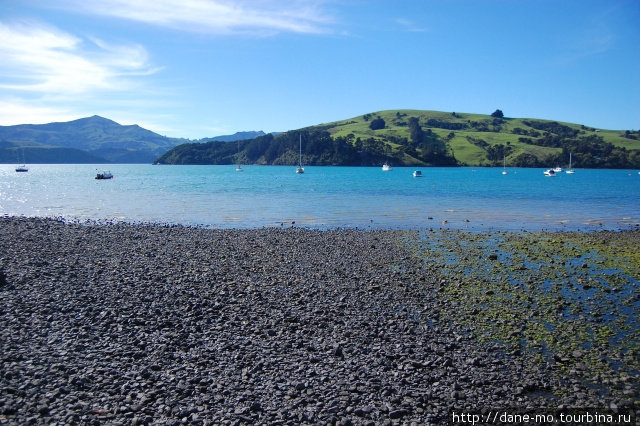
(426, 138)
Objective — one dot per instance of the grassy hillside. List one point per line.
(465, 133)
(415, 137)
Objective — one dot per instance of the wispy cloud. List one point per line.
(37, 58)
(587, 40)
(45, 72)
(257, 17)
(410, 26)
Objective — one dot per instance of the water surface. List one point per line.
(327, 197)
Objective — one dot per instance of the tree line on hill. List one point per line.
(423, 146)
(318, 148)
(587, 151)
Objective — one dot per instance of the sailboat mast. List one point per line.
(300, 169)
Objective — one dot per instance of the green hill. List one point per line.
(92, 139)
(416, 137)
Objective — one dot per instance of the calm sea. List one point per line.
(327, 197)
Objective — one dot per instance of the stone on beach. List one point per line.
(144, 324)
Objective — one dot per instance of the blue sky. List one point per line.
(200, 68)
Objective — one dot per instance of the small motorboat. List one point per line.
(549, 173)
(417, 173)
(557, 169)
(104, 175)
(386, 167)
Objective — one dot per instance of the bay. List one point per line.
(476, 199)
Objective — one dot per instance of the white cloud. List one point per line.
(260, 17)
(47, 74)
(37, 58)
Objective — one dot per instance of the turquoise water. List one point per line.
(327, 197)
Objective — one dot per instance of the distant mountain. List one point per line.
(90, 140)
(238, 136)
(93, 139)
(422, 138)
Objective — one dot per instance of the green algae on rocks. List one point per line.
(570, 301)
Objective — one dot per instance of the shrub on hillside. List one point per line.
(377, 124)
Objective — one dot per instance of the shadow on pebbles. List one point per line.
(149, 324)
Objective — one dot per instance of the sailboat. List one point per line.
(23, 167)
(239, 167)
(504, 165)
(300, 169)
(570, 171)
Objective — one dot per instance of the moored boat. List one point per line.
(300, 169)
(570, 170)
(238, 167)
(550, 173)
(417, 173)
(23, 167)
(386, 167)
(104, 175)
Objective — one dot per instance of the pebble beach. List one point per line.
(147, 324)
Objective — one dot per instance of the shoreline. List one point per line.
(153, 324)
(446, 225)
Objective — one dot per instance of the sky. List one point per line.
(204, 68)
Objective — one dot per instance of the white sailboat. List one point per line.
(23, 167)
(300, 169)
(570, 171)
(504, 165)
(239, 167)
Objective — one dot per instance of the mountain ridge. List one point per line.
(90, 139)
(93, 139)
(237, 136)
